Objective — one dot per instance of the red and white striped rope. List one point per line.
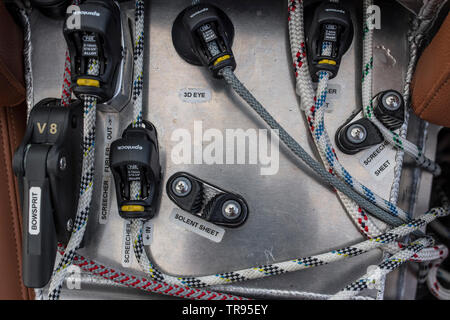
(147, 285)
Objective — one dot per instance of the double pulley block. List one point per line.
(329, 34)
(207, 201)
(355, 136)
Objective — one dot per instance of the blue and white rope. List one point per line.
(302, 76)
(315, 113)
(305, 90)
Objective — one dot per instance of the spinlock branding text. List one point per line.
(137, 147)
(198, 12)
(234, 146)
(87, 13)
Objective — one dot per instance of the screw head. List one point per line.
(231, 209)
(181, 186)
(69, 225)
(63, 163)
(356, 133)
(392, 101)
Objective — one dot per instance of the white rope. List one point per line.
(86, 188)
(372, 278)
(318, 128)
(414, 43)
(315, 115)
(281, 267)
(393, 138)
(139, 32)
(265, 270)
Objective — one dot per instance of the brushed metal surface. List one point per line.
(292, 214)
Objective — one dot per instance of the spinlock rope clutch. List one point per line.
(95, 32)
(329, 35)
(135, 158)
(48, 166)
(206, 200)
(203, 34)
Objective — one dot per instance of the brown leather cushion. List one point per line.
(12, 127)
(12, 91)
(431, 83)
(11, 131)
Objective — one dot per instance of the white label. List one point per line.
(195, 95)
(147, 236)
(197, 225)
(378, 160)
(329, 105)
(34, 211)
(107, 176)
(106, 203)
(127, 247)
(334, 93)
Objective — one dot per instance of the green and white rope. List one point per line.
(314, 110)
(392, 137)
(305, 90)
(302, 76)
